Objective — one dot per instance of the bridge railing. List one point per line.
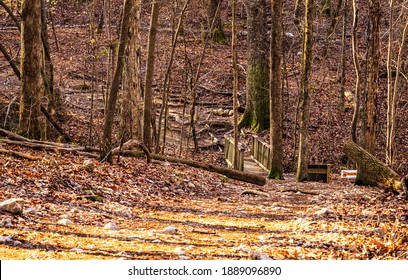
(261, 152)
(229, 151)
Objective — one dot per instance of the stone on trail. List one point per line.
(12, 205)
(65, 222)
(111, 226)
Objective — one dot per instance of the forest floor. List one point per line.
(74, 209)
(171, 211)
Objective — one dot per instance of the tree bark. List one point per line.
(148, 98)
(31, 85)
(303, 158)
(131, 105)
(256, 115)
(235, 81)
(371, 99)
(106, 149)
(343, 56)
(214, 20)
(276, 141)
(356, 63)
(376, 171)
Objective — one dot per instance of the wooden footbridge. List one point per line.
(255, 161)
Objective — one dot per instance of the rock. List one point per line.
(242, 248)
(324, 211)
(88, 165)
(7, 223)
(76, 250)
(65, 222)
(170, 230)
(64, 216)
(111, 226)
(6, 239)
(179, 251)
(12, 205)
(30, 210)
(258, 255)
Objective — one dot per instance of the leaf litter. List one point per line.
(170, 211)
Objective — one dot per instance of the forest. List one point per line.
(203, 130)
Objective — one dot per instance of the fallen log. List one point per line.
(49, 147)
(18, 155)
(230, 173)
(374, 168)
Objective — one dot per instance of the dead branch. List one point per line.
(133, 144)
(254, 192)
(18, 154)
(300, 191)
(230, 173)
(49, 146)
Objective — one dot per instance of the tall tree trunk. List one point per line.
(303, 158)
(276, 93)
(107, 145)
(235, 81)
(214, 15)
(31, 85)
(390, 96)
(356, 63)
(256, 114)
(392, 118)
(343, 56)
(131, 107)
(372, 87)
(148, 92)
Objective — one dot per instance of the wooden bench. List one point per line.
(319, 173)
(229, 151)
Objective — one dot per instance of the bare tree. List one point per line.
(256, 115)
(357, 70)
(107, 145)
(276, 93)
(235, 81)
(371, 100)
(303, 158)
(148, 92)
(31, 85)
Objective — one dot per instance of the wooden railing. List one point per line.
(261, 153)
(229, 151)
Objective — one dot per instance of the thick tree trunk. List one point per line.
(276, 140)
(106, 149)
(31, 85)
(303, 158)
(376, 171)
(371, 99)
(131, 104)
(256, 114)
